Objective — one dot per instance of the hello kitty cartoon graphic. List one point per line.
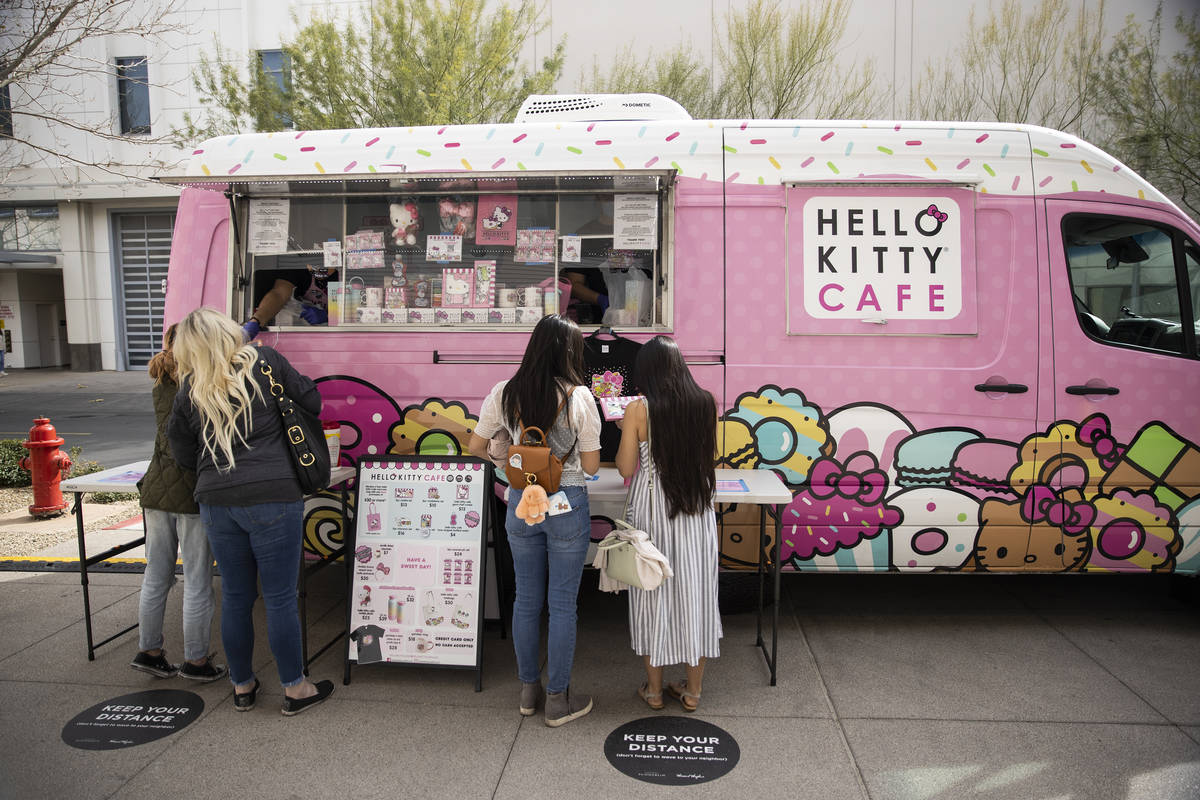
(455, 290)
(499, 216)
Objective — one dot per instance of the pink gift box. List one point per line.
(370, 240)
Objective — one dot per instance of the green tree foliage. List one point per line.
(676, 73)
(403, 62)
(771, 63)
(1151, 113)
(1036, 67)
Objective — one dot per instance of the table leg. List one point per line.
(303, 596)
(762, 546)
(83, 575)
(348, 540)
(775, 571)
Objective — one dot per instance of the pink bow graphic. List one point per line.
(827, 478)
(1041, 503)
(1094, 432)
(938, 215)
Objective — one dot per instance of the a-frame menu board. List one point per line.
(419, 557)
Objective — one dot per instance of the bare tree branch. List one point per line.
(46, 61)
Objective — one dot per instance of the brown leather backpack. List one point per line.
(530, 459)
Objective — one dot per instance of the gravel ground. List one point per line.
(35, 537)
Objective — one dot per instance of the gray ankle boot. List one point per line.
(562, 707)
(531, 698)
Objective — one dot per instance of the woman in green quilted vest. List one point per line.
(172, 521)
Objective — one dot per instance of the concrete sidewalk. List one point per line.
(908, 687)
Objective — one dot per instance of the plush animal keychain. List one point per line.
(533, 505)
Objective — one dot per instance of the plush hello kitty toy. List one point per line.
(406, 221)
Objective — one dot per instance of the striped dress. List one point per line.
(679, 621)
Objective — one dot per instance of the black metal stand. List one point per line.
(311, 569)
(772, 552)
(84, 563)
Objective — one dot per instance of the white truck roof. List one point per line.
(996, 158)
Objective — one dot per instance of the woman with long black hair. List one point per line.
(671, 438)
(548, 392)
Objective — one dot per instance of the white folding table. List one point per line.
(125, 479)
(761, 487)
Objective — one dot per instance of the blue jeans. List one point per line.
(548, 562)
(167, 534)
(258, 543)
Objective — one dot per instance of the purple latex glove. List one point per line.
(314, 316)
(251, 329)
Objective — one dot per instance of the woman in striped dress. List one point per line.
(671, 438)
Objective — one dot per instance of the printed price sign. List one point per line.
(418, 561)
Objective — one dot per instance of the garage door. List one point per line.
(143, 249)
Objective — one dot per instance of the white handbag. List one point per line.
(624, 562)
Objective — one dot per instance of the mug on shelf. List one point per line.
(531, 296)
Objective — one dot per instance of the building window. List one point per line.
(34, 228)
(6, 126)
(278, 68)
(133, 95)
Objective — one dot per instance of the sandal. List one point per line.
(655, 701)
(679, 692)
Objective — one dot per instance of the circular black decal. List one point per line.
(133, 719)
(675, 751)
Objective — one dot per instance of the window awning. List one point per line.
(465, 183)
(22, 257)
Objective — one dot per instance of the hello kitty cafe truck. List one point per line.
(963, 347)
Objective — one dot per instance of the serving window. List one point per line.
(449, 251)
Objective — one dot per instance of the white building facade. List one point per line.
(85, 231)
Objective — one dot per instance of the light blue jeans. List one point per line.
(548, 562)
(167, 534)
(252, 544)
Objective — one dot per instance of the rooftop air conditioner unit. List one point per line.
(600, 108)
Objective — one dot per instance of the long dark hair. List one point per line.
(683, 426)
(554, 355)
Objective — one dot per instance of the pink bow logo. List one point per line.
(1042, 504)
(827, 478)
(932, 211)
(1094, 432)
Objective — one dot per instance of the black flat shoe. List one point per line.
(245, 702)
(293, 706)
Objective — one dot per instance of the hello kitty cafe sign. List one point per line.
(882, 258)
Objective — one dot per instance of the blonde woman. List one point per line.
(225, 427)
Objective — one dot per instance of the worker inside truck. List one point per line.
(296, 295)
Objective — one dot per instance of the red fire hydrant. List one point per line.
(48, 465)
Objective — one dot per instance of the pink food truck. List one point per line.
(962, 346)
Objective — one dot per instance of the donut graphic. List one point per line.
(472, 519)
(363, 553)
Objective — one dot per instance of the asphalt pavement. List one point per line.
(109, 414)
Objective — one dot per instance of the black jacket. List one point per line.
(166, 485)
(263, 469)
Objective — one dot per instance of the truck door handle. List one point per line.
(1092, 390)
(1006, 388)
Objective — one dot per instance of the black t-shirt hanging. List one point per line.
(367, 637)
(609, 363)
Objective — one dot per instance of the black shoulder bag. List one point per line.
(304, 436)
